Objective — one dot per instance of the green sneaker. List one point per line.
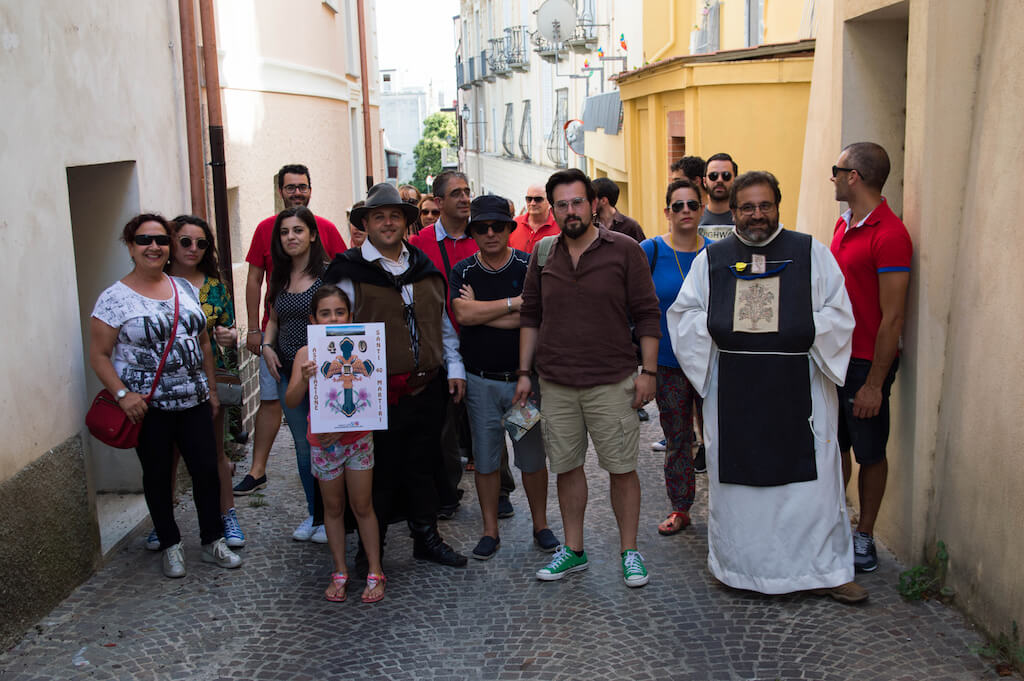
(563, 562)
(633, 571)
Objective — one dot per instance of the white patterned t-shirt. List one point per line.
(143, 326)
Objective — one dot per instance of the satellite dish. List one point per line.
(574, 135)
(556, 20)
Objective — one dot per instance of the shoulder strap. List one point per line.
(654, 258)
(543, 249)
(170, 342)
(444, 256)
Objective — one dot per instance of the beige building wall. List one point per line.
(956, 468)
(93, 133)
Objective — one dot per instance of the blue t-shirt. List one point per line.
(667, 282)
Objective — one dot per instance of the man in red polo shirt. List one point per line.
(537, 223)
(874, 251)
(295, 188)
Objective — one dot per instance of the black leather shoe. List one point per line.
(428, 545)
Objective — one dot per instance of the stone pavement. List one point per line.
(492, 620)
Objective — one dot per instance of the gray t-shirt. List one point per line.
(143, 326)
(710, 218)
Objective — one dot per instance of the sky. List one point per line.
(417, 38)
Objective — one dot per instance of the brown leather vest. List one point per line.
(385, 304)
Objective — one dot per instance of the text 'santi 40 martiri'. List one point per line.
(349, 390)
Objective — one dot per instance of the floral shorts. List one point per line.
(330, 462)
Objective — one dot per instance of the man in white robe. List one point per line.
(777, 521)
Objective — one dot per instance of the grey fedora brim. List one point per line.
(384, 195)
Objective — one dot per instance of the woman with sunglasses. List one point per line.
(299, 261)
(194, 259)
(130, 327)
(430, 211)
(670, 257)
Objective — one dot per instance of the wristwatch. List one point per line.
(121, 394)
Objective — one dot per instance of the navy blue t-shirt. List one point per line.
(485, 348)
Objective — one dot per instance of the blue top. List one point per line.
(667, 282)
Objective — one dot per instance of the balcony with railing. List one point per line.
(584, 37)
(517, 40)
(497, 57)
(460, 76)
(547, 50)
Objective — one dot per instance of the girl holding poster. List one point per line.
(340, 461)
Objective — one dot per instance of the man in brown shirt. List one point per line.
(609, 216)
(579, 297)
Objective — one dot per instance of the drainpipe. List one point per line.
(217, 164)
(193, 121)
(367, 140)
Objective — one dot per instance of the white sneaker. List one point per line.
(153, 541)
(219, 553)
(174, 561)
(659, 446)
(304, 532)
(319, 534)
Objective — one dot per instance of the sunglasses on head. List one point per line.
(187, 241)
(534, 199)
(482, 228)
(726, 176)
(147, 239)
(435, 212)
(692, 204)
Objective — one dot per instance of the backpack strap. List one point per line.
(543, 249)
(654, 258)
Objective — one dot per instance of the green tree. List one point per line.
(439, 132)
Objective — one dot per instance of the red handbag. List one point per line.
(105, 419)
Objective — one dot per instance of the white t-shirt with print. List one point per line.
(143, 326)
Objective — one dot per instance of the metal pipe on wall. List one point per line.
(363, 69)
(193, 118)
(217, 161)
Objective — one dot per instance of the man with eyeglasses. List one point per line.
(575, 322)
(609, 216)
(446, 243)
(389, 281)
(486, 293)
(874, 252)
(719, 173)
(762, 328)
(295, 188)
(536, 223)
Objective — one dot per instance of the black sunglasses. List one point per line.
(147, 239)
(534, 199)
(187, 241)
(726, 176)
(692, 204)
(481, 228)
(434, 212)
(837, 169)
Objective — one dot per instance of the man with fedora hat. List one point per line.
(486, 293)
(390, 281)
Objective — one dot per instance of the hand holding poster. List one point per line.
(348, 391)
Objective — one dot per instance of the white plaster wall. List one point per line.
(82, 83)
(495, 175)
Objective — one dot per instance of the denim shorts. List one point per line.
(486, 402)
(268, 384)
(868, 437)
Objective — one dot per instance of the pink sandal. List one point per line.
(374, 580)
(340, 583)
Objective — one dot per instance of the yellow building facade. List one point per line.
(940, 85)
(749, 99)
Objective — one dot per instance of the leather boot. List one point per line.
(428, 545)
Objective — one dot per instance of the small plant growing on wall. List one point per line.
(923, 582)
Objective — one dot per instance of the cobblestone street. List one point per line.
(492, 620)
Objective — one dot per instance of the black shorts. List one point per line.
(868, 437)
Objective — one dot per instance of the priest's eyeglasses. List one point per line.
(748, 209)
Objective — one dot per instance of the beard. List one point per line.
(757, 230)
(719, 192)
(574, 226)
